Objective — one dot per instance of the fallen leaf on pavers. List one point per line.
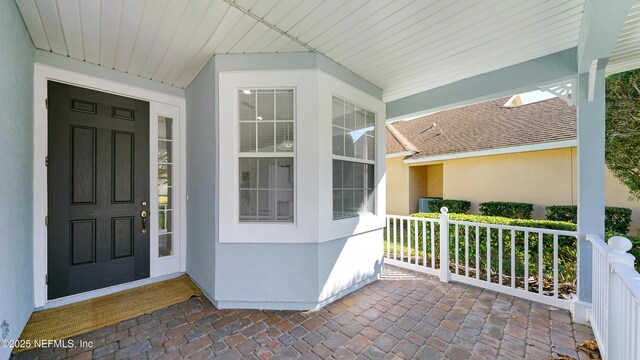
(589, 345)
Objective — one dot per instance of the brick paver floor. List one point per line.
(405, 315)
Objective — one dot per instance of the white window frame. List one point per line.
(276, 155)
(230, 229)
(355, 160)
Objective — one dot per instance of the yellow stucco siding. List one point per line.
(397, 187)
(538, 177)
(542, 178)
(434, 180)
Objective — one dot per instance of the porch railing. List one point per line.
(615, 313)
(514, 260)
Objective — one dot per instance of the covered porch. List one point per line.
(263, 174)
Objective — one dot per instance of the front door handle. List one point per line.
(143, 215)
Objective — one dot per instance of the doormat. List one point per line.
(69, 320)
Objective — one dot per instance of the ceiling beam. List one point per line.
(601, 25)
(507, 81)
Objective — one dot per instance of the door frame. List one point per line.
(160, 104)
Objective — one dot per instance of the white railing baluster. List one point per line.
(477, 252)
(433, 246)
(513, 258)
(395, 238)
(488, 254)
(466, 250)
(555, 265)
(415, 240)
(401, 239)
(388, 229)
(457, 250)
(424, 240)
(540, 263)
(444, 245)
(526, 261)
(500, 256)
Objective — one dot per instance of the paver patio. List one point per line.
(405, 315)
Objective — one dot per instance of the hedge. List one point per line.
(514, 210)
(617, 220)
(454, 206)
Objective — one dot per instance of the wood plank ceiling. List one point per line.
(402, 46)
(626, 53)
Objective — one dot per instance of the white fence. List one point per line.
(615, 315)
(518, 261)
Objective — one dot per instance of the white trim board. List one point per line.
(157, 100)
(499, 151)
(400, 154)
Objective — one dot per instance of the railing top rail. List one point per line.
(630, 277)
(404, 217)
(517, 228)
(599, 243)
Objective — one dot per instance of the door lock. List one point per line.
(143, 215)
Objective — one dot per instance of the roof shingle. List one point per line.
(485, 126)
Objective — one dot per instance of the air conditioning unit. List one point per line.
(423, 204)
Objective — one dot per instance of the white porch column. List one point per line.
(591, 191)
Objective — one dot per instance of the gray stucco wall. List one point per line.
(16, 161)
(201, 179)
(275, 276)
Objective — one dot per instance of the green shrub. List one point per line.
(417, 236)
(454, 206)
(616, 219)
(514, 210)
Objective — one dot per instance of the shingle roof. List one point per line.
(485, 126)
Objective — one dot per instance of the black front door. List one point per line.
(98, 188)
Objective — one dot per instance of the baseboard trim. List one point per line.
(297, 306)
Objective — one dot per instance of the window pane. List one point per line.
(284, 105)
(349, 116)
(164, 220)
(164, 127)
(349, 146)
(284, 137)
(284, 205)
(248, 208)
(165, 246)
(338, 141)
(248, 173)
(353, 188)
(337, 204)
(273, 198)
(359, 147)
(265, 105)
(338, 112)
(266, 205)
(371, 119)
(164, 151)
(248, 137)
(337, 174)
(265, 137)
(371, 148)
(247, 104)
(284, 176)
(360, 119)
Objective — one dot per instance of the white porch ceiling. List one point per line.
(626, 53)
(402, 46)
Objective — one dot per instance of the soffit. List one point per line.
(401, 46)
